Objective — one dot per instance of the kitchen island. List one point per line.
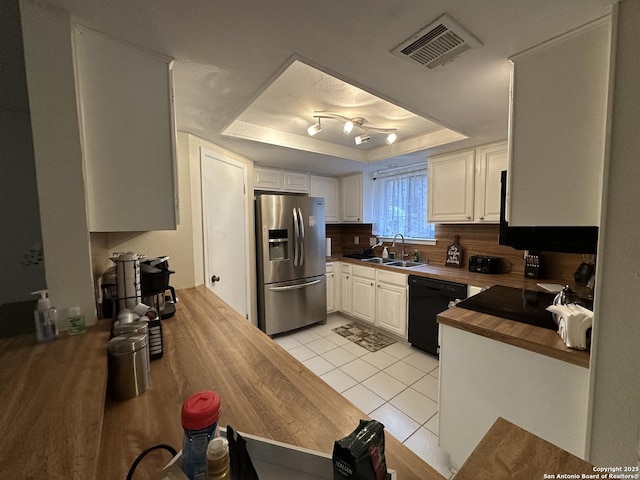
(493, 367)
(56, 424)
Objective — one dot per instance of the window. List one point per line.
(400, 203)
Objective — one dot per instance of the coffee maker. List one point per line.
(154, 282)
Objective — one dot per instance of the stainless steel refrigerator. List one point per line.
(291, 262)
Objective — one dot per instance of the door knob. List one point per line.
(215, 279)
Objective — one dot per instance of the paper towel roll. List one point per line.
(328, 246)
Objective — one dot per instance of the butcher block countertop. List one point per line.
(56, 423)
(264, 392)
(463, 275)
(532, 338)
(507, 452)
(53, 397)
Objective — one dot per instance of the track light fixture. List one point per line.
(360, 139)
(315, 128)
(350, 124)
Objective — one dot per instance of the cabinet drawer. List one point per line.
(393, 278)
(364, 272)
(329, 267)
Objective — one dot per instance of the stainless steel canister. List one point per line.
(128, 366)
(138, 327)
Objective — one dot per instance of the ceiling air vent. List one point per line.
(437, 44)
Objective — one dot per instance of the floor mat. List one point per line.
(364, 336)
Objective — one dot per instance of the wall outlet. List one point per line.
(372, 241)
(356, 240)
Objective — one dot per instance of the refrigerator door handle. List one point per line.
(294, 287)
(301, 221)
(296, 240)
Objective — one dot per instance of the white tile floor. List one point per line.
(397, 385)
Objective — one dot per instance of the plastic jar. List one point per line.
(200, 414)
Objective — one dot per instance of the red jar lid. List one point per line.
(200, 410)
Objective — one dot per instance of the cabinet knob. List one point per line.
(481, 218)
(468, 217)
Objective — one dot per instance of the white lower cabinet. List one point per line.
(376, 296)
(331, 292)
(391, 308)
(346, 288)
(364, 293)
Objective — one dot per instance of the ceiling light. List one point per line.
(392, 137)
(315, 128)
(360, 139)
(350, 124)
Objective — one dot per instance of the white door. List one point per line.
(225, 213)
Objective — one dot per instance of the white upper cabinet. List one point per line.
(558, 129)
(451, 187)
(329, 189)
(296, 182)
(491, 160)
(464, 187)
(357, 198)
(125, 98)
(265, 178)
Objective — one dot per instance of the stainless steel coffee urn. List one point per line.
(128, 366)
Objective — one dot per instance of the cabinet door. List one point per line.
(329, 189)
(490, 161)
(346, 288)
(125, 98)
(267, 178)
(331, 304)
(391, 308)
(296, 182)
(451, 187)
(558, 138)
(352, 199)
(364, 299)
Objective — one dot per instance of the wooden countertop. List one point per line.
(535, 339)
(264, 392)
(53, 397)
(507, 452)
(463, 275)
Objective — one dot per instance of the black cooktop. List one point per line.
(526, 306)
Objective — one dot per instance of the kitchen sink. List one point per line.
(379, 260)
(405, 264)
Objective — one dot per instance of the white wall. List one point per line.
(58, 157)
(615, 371)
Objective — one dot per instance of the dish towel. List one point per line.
(573, 323)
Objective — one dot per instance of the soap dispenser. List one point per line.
(45, 317)
(385, 253)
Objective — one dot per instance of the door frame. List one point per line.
(220, 157)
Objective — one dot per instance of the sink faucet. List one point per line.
(394, 244)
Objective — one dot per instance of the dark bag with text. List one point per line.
(360, 455)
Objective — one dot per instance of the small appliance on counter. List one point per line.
(154, 282)
(484, 264)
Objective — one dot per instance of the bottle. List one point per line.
(218, 466)
(385, 253)
(416, 255)
(76, 321)
(45, 317)
(200, 423)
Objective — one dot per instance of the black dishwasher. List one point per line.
(427, 298)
